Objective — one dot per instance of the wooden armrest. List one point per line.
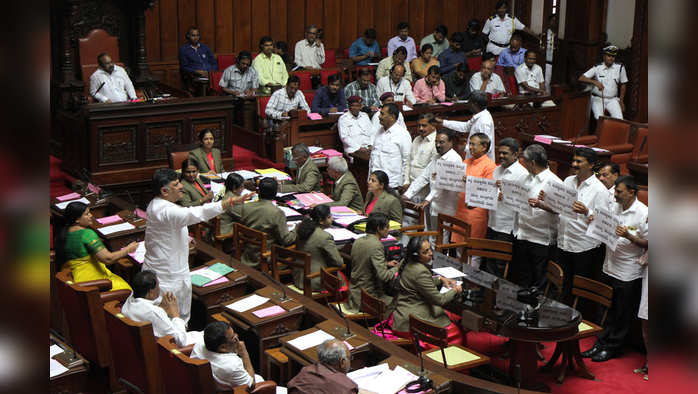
(222, 237)
(418, 227)
(124, 262)
(186, 349)
(452, 245)
(423, 234)
(119, 295)
(267, 386)
(266, 255)
(101, 284)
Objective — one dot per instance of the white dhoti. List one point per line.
(548, 76)
(612, 106)
(180, 286)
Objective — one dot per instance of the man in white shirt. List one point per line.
(149, 304)
(529, 75)
(403, 39)
(486, 80)
(501, 221)
(230, 362)
(423, 149)
(577, 253)
(609, 79)
(536, 230)
(385, 98)
(437, 200)
(310, 53)
(622, 270)
(355, 128)
(391, 147)
(481, 122)
(167, 238)
(550, 44)
(110, 83)
(397, 85)
(287, 99)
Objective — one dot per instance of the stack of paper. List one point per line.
(62, 205)
(289, 212)
(339, 211)
(331, 153)
(110, 219)
(348, 219)
(380, 379)
(310, 340)
(203, 276)
(342, 234)
(308, 199)
(314, 149)
(115, 228)
(247, 303)
(139, 254)
(67, 197)
(245, 174)
(274, 173)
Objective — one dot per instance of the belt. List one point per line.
(500, 45)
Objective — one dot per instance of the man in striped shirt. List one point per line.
(286, 99)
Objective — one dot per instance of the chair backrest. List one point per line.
(429, 333)
(324, 74)
(384, 52)
(643, 195)
(513, 86)
(137, 359)
(489, 248)
(177, 153)
(641, 147)
(225, 60)
(215, 81)
(309, 96)
(331, 284)
(373, 306)
(95, 42)
(182, 374)
(452, 224)
(555, 276)
(243, 235)
(294, 259)
(593, 291)
(82, 307)
(262, 106)
(613, 131)
(305, 77)
(415, 211)
(330, 58)
(474, 63)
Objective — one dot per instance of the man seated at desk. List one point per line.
(196, 57)
(264, 216)
(110, 83)
(397, 85)
(240, 79)
(346, 190)
(230, 362)
(363, 88)
(386, 98)
(330, 98)
(529, 76)
(149, 304)
(514, 56)
(310, 53)
(365, 50)
(430, 89)
(308, 176)
(328, 375)
(386, 65)
(486, 80)
(356, 131)
(457, 83)
(270, 66)
(285, 100)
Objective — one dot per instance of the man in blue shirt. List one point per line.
(330, 98)
(195, 57)
(454, 55)
(365, 49)
(514, 55)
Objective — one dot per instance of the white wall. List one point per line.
(619, 22)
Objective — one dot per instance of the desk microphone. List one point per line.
(423, 383)
(347, 334)
(100, 87)
(517, 376)
(132, 216)
(283, 297)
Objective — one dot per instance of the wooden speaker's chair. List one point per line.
(335, 294)
(284, 260)
(491, 249)
(454, 357)
(243, 235)
(136, 362)
(614, 134)
(555, 277)
(95, 42)
(598, 293)
(374, 310)
(185, 375)
(82, 306)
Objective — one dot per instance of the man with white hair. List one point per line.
(328, 375)
(346, 190)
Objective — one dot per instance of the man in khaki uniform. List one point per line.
(369, 270)
(308, 177)
(262, 215)
(346, 190)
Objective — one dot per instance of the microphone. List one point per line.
(132, 216)
(347, 334)
(517, 376)
(100, 87)
(283, 297)
(423, 383)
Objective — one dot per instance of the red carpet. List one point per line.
(612, 377)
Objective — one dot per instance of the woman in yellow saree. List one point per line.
(84, 253)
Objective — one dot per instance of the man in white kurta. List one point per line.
(355, 128)
(110, 83)
(167, 238)
(148, 304)
(481, 122)
(391, 147)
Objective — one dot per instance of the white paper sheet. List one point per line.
(406, 108)
(341, 234)
(289, 211)
(347, 220)
(248, 303)
(448, 272)
(560, 197)
(115, 228)
(206, 273)
(62, 205)
(445, 289)
(245, 174)
(56, 368)
(217, 188)
(381, 379)
(603, 228)
(310, 340)
(449, 175)
(481, 193)
(281, 390)
(53, 350)
(139, 254)
(292, 224)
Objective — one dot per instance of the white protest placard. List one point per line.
(449, 175)
(481, 193)
(603, 228)
(515, 196)
(560, 197)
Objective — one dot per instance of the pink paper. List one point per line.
(580, 146)
(308, 199)
(447, 103)
(543, 140)
(341, 209)
(314, 116)
(218, 281)
(207, 185)
(71, 196)
(270, 311)
(330, 152)
(110, 219)
(141, 213)
(94, 189)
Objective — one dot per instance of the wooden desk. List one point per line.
(440, 382)
(75, 379)
(213, 296)
(119, 239)
(361, 347)
(560, 153)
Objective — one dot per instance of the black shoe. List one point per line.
(592, 351)
(604, 355)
